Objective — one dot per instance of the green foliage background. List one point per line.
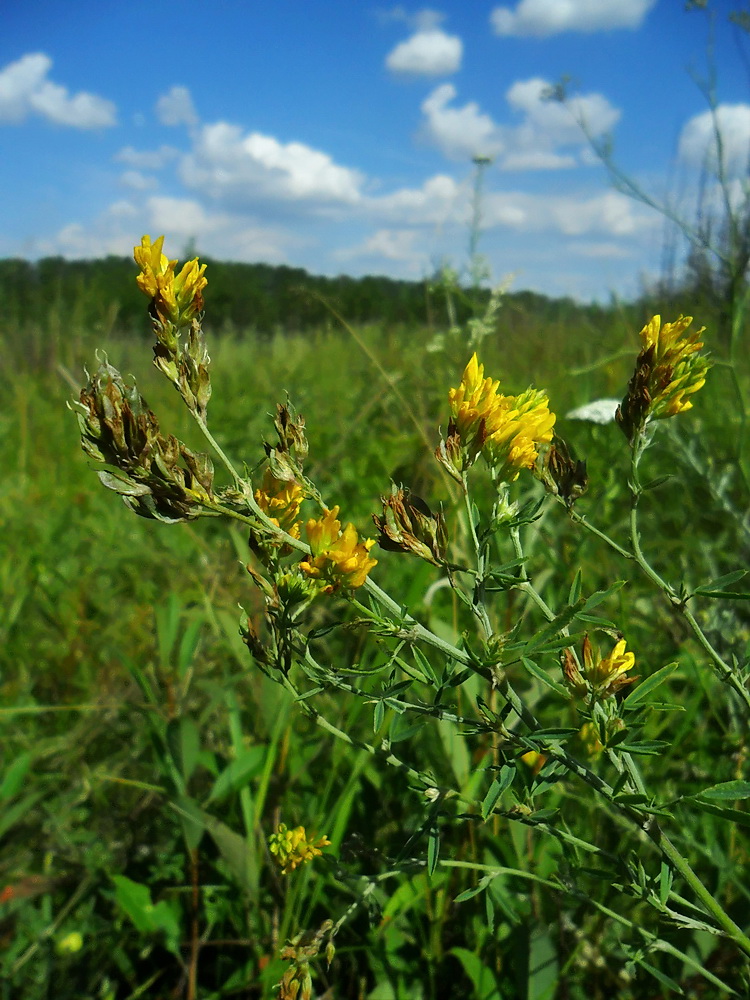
(120, 659)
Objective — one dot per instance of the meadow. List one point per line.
(148, 755)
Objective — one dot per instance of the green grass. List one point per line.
(126, 694)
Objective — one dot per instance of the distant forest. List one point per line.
(260, 298)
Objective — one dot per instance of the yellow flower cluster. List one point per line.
(602, 676)
(338, 557)
(292, 848)
(176, 298)
(281, 501)
(506, 430)
(676, 369)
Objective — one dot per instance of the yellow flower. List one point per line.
(292, 848)
(601, 676)
(338, 557)
(177, 298)
(281, 501)
(506, 430)
(589, 737)
(668, 370)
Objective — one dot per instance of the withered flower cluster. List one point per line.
(156, 475)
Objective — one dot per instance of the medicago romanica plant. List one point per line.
(551, 705)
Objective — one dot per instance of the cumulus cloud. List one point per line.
(176, 108)
(607, 214)
(147, 159)
(697, 144)
(137, 181)
(542, 18)
(460, 132)
(25, 90)
(244, 168)
(534, 144)
(388, 244)
(429, 52)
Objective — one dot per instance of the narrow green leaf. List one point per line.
(647, 748)
(644, 689)
(504, 779)
(601, 595)
(239, 773)
(433, 849)
(721, 582)
(14, 775)
(377, 716)
(727, 791)
(733, 815)
(543, 676)
(575, 589)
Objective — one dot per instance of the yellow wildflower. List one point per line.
(177, 298)
(292, 848)
(668, 370)
(338, 557)
(589, 737)
(601, 676)
(281, 500)
(506, 430)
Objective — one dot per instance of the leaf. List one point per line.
(602, 595)
(485, 985)
(479, 887)
(377, 716)
(733, 815)
(183, 739)
(727, 790)
(402, 728)
(14, 775)
(647, 748)
(238, 773)
(543, 676)
(503, 781)
(575, 589)
(433, 849)
(148, 918)
(645, 688)
(721, 582)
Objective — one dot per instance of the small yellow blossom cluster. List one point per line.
(505, 430)
(281, 501)
(338, 558)
(292, 848)
(176, 298)
(668, 371)
(602, 676)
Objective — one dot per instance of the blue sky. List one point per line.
(338, 136)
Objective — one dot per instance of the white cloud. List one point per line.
(542, 18)
(533, 144)
(435, 201)
(176, 108)
(25, 90)
(608, 214)
(459, 132)
(245, 168)
(137, 181)
(697, 145)
(147, 159)
(389, 244)
(429, 52)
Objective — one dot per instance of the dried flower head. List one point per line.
(156, 475)
(338, 557)
(408, 525)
